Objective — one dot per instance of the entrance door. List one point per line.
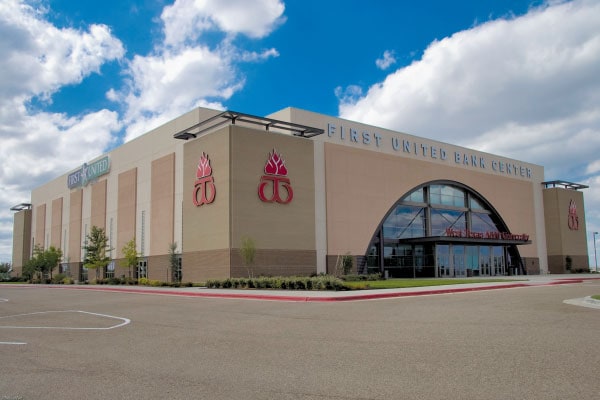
(142, 269)
(458, 259)
(499, 265)
(442, 259)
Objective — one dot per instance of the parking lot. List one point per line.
(522, 343)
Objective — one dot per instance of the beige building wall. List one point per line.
(139, 154)
(21, 240)
(40, 225)
(206, 238)
(284, 234)
(75, 228)
(127, 201)
(565, 236)
(162, 210)
(56, 223)
(367, 169)
(98, 209)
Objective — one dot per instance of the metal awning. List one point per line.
(564, 184)
(233, 117)
(21, 207)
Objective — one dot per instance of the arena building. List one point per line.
(308, 189)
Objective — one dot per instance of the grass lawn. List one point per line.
(596, 297)
(408, 283)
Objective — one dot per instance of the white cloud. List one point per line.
(38, 59)
(186, 20)
(525, 87)
(184, 72)
(386, 61)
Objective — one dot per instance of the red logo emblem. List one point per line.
(573, 218)
(204, 187)
(276, 176)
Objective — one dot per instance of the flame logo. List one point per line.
(572, 208)
(204, 168)
(275, 165)
(573, 219)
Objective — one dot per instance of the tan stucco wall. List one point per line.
(206, 228)
(99, 205)
(40, 225)
(56, 221)
(387, 169)
(362, 186)
(74, 234)
(162, 209)
(127, 209)
(561, 240)
(21, 240)
(272, 225)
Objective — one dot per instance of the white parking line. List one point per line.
(13, 343)
(124, 322)
(2, 300)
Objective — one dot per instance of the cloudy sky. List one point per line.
(515, 78)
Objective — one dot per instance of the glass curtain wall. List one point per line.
(437, 210)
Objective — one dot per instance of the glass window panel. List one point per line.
(415, 196)
(474, 204)
(444, 219)
(405, 222)
(482, 223)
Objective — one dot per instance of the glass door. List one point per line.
(458, 259)
(442, 257)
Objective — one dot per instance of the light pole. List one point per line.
(595, 256)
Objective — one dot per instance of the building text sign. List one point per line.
(88, 173)
(401, 144)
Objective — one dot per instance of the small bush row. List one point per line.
(321, 282)
(141, 282)
(358, 278)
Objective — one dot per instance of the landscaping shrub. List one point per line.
(357, 278)
(320, 282)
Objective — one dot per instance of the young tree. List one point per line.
(248, 252)
(5, 268)
(42, 262)
(131, 255)
(52, 258)
(174, 261)
(96, 248)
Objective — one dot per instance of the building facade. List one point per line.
(307, 189)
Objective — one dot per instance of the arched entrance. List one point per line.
(444, 229)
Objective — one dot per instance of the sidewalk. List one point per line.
(331, 296)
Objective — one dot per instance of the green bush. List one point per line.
(321, 282)
(357, 278)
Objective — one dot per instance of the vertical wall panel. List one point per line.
(40, 225)
(126, 209)
(99, 204)
(162, 204)
(56, 223)
(75, 239)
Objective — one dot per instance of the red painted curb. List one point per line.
(357, 297)
(249, 296)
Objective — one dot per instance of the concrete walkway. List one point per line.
(332, 296)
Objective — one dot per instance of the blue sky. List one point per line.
(515, 78)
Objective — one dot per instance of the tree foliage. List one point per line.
(96, 248)
(42, 263)
(174, 261)
(131, 255)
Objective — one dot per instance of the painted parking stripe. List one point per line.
(17, 343)
(124, 321)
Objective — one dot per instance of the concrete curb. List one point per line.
(315, 296)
